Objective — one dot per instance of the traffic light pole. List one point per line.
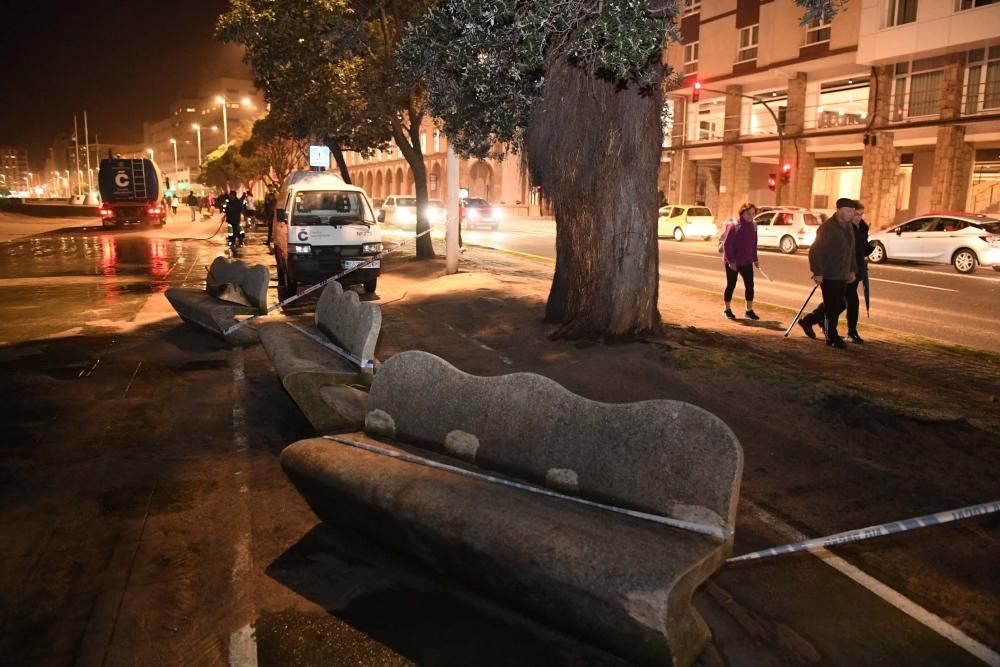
(779, 172)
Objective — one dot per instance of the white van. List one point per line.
(324, 226)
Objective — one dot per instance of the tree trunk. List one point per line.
(595, 149)
(338, 156)
(410, 147)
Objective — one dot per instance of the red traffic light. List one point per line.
(786, 171)
(696, 93)
(786, 168)
(772, 181)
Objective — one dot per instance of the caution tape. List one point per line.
(312, 288)
(360, 361)
(703, 529)
(870, 532)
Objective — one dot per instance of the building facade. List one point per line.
(15, 174)
(895, 102)
(502, 182)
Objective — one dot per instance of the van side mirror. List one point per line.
(279, 214)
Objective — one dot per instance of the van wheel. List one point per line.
(370, 286)
(678, 234)
(788, 245)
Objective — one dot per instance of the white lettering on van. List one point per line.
(121, 179)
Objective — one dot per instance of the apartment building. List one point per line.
(896, 102)
(14, 169)
(499, 182)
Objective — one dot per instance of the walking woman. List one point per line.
(739, 251)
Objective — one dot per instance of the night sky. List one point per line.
(121, 60)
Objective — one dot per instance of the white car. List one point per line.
(964, 240)
(681, 221)
(401, 211)
(786, 228)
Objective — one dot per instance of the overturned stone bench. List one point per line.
(600, 519)
(327, 370)
(232, 288)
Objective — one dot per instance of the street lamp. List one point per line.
(151, 153)
(197, 128)
(174, 143)
(220, 99)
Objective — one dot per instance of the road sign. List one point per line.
(319, 156)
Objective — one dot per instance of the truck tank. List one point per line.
(126, 179)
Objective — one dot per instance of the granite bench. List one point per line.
(232, 288)
(327, 370)
(596, 518)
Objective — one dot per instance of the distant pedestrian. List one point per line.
(248, 208)
(192, 202)
(270, 205)
(739, 254)
(174, 203)
(862, 248)
(833, 263)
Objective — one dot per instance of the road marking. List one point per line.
(873, 585)
(698, 254)
(897, 282)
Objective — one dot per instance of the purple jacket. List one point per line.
(739, 242)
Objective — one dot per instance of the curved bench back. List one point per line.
(663, 457)
(253, 280)
(348, 322)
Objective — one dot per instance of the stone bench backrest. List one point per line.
(662, 457)
(349, 323)
(253, 280)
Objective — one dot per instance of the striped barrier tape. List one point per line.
(361, 362)
(312, 288)
(870, 532)
(701, 528)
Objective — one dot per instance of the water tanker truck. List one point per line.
(131, 192)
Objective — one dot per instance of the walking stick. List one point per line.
(799, 314)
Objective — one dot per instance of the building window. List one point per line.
(917, 88)
(982, 80)
(437, 141)
(423, 142)
(690, 58)
(818, 31)
(748, 43)
(961, 5)
(900, 12)
(691, 7)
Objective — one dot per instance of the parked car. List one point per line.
(681, 221)
(476, 212)
(401, 211)
(786, 228)
(964, 240)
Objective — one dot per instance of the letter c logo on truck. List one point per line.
(121, 179)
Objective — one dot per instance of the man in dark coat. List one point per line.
(833, 263)
(862, 248)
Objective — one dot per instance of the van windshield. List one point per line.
(331, 207)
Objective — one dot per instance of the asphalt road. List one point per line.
(931, 301)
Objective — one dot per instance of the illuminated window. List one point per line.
(437, 141)
(748, 43)
(690, 58)
(423, 142)
(917, 88)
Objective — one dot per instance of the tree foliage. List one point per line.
(274, 143)
(330, 67)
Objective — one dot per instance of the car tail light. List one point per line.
(106, 212)
(155, 210)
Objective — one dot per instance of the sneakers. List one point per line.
(729, 313)
(752, 315)
(807, 329)
(855, 338)
(837, 342)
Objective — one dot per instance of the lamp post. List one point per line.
(221, 99)
(174, 144)
(197, 129)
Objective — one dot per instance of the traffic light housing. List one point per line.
(772, 180)
(696, 93)
(786, 172)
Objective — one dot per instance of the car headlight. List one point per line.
(472, 214)
(300, 249)
(371, 248)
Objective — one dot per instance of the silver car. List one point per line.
(964, 240)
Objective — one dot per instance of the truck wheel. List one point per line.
(370, 286)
